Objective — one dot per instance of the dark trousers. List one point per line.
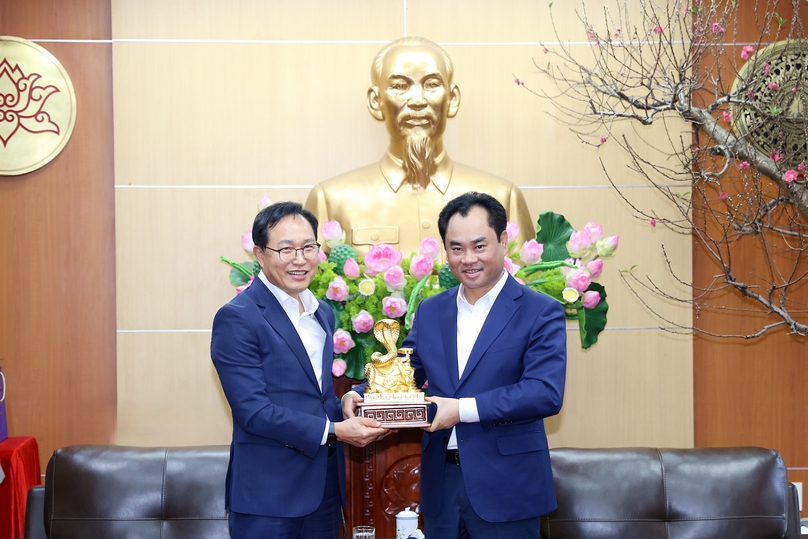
(457, 518)
(324, 523)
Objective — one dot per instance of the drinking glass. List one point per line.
(364, 532)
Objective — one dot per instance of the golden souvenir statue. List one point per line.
(397, 200)
(391, 396)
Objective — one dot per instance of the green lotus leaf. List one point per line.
(553, 231)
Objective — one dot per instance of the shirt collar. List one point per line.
(310, 302)
(491, 295)
(393, 171)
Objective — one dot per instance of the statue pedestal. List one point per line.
(396, 414)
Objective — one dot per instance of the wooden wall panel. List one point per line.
(57, 282)
(750, 392)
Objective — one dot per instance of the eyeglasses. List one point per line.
(287, 254)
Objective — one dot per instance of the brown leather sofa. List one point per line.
(113, 492)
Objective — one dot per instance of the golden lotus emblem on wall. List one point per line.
(37, 106)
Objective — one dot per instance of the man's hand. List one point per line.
(448, 414)
(349, 402)
(359, 431)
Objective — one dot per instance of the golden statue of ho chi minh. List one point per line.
(397, 200)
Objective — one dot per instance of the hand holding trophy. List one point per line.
(391, 396)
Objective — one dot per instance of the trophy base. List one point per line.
(396, 415)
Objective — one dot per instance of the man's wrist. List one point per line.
(331, 439)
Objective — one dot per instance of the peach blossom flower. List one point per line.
(658, 29)
(722, 195)
(743, 164)
(747, 52)
(380, 258)
(717, 28)
(775, 156)
(727, 116)
(773, 86)
(362, 322)
(342, 342)
(790, 175)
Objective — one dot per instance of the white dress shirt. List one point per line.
(309, 330)
(470, 320)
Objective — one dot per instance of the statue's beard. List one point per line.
(419, 162)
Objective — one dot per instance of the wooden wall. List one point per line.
(57, 239)
(750, 392)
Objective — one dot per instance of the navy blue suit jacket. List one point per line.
(516, 371)
(277, 465)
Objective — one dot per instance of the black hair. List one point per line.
(497, 218)
(269, 217)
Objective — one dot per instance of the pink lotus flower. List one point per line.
(531, 252)
(430, 247)
(351, 268)
(321, 256)
(333, 233)
(362, 322)
(242, 288)
(790, 175)
(265, 201)
(394, 307)
(421, 266)
(607, 246)
(579, 279)
(658, 29)
(342, 341)
(512, 229)
(380, 258)
(337, 289)
(747, 52)
(247, 242)
(590, 299)
(595, 231)
(595, 267)
(394, 278)
(566, 269)
(519, 280)
(579, 243)
(727, 116)
(510, 267)
(338, 367)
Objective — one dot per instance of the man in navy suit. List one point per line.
(494, 353)
(272, 346)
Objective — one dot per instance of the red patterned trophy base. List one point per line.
(396, 415)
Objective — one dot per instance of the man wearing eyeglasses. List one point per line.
(272, 348)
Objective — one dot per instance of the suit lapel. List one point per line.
(448, 332)
(501, 313)
(328, 350)
(277, 318)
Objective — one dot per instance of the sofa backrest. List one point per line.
(648, 493)
(116, 492)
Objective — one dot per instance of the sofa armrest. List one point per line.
(35, 513)
(792, 513)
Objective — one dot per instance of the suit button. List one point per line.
(323, 400)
